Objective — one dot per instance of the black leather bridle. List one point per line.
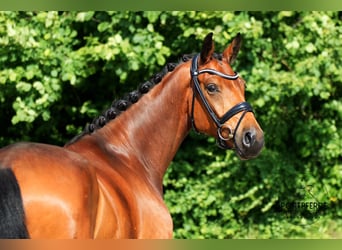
(241, 107)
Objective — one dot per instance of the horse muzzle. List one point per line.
(250, 143)
(246, 138)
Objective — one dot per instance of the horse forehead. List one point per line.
(218, 65)
(221, 66)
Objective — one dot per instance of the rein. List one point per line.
(240, 107)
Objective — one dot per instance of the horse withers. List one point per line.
(107, 181)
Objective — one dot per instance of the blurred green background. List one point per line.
(58, 70)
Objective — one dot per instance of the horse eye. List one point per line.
(212, 88)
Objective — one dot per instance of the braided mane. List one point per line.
(121, 105)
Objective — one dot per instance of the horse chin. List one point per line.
(242, 156)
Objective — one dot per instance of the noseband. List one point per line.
(241, 107)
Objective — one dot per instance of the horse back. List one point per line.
(58, 189)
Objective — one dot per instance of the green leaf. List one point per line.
(23, 87)
(84, 16)
(103, 26)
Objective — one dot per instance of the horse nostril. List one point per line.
(248, 139)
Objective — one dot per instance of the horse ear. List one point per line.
(230, 53)
(207, 49)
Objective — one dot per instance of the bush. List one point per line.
(60, 69)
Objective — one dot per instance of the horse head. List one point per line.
(218, 105)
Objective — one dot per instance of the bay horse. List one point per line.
(107, 181)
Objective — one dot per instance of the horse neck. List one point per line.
(150, 132)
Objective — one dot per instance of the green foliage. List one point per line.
(60, 69)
